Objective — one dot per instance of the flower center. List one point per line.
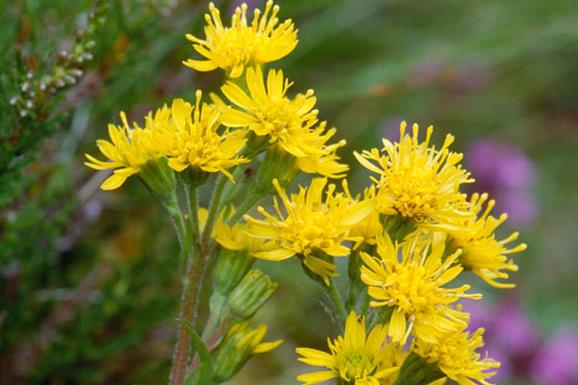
(311, 231)
(412, 291)
(413, 191)
(353, 364)
(280, 117)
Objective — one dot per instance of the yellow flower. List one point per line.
(355, 357)
(129, 149)
(291, 124)
(237, 237)
(409, 279)
(195, 142)
(370, 228)
(417, 182)
(242, 44)
(240, 343)
(456, 356)
(312, 228)
(482, 252)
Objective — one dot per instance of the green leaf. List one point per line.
(204, 374)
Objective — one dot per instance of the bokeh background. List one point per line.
(89, 280)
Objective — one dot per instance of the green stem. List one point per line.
(337, 300)
(193, 215)
(177, 220)
(365, 303)
(247, 205)
(213, 209)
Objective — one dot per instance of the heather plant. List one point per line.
(409, 240)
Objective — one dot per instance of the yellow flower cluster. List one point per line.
(187, 136)
(241, 45)
(422, 233)
(211, 138)
(409, 235)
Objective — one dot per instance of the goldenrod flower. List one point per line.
(410, 279)
(237, 237)
(482, 252)
(370, 228)
(418, 182)
(355, 357)
(242, 44)
(291, 124)
(195, 142)
(184, 134)
(129, 149)
(313, 227)
(456, 356)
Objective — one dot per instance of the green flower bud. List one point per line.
(251, 294)
(241, 342)
(230, 268)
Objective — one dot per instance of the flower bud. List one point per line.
(241, 342)
(251, 294)
(230, 268)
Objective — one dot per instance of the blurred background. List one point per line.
(89, 281)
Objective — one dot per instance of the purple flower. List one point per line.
(557, 362)
(507, 174)
(514, 331)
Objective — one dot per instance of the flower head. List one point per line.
(418, 182)
(355, 357)
(314, 226)
(242, 44)
(290, 123)
(195, 142)
(184, 134)
(410, 280)
(482, 252)
(129, 149)
(240, 343)
(457, 358)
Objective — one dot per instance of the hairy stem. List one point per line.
(189, 295)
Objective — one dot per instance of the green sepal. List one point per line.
(415, 370)
(397, 227)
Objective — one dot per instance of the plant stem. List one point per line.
(213, 209)
(190, 295)
(247, 205)
(337, 300)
